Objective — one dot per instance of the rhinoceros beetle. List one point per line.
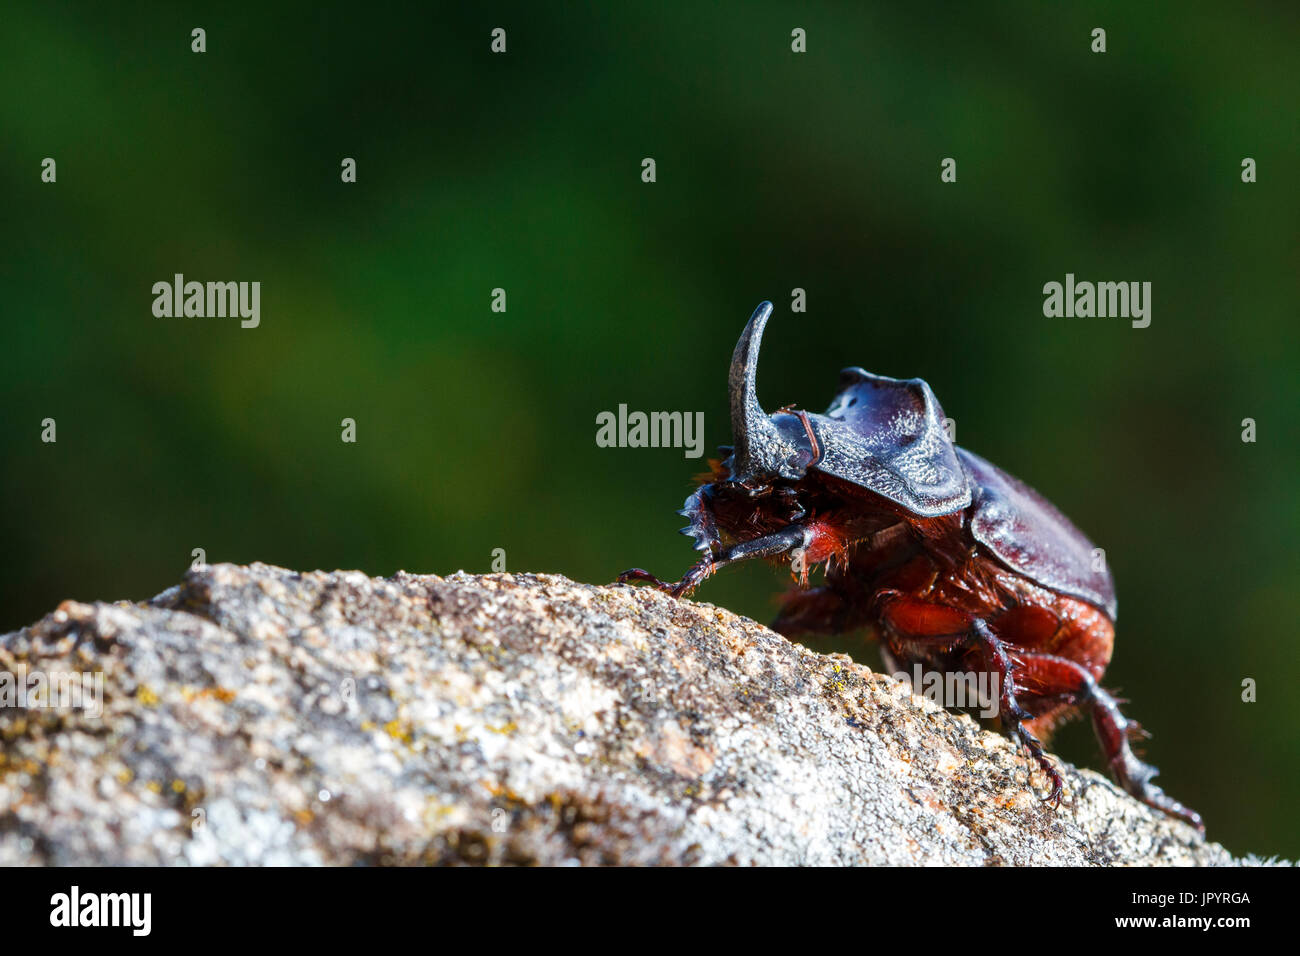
(954, 564)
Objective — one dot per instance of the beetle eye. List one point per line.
(800, 460)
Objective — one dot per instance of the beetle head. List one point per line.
(883, 434)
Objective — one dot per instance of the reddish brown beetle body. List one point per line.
(955, 565)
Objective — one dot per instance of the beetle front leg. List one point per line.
(768, 546)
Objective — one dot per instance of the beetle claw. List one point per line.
(1058, 789)
(1049, 769)
(1036, 753)
(689, 582)
(637, 574)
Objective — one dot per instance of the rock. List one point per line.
(254, 715)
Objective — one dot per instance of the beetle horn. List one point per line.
(761, 452)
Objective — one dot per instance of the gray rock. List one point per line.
(254, 715)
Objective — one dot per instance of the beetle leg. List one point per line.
(1114, 731)
(951, 631)
(821, 610)
(768, 546)
(1012, 715)
(689, 582)
(703, 527)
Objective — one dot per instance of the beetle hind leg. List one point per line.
(1115, 731)
(1076, 686)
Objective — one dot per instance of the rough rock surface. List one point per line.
(254, 715)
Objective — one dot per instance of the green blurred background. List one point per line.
(476, 430)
